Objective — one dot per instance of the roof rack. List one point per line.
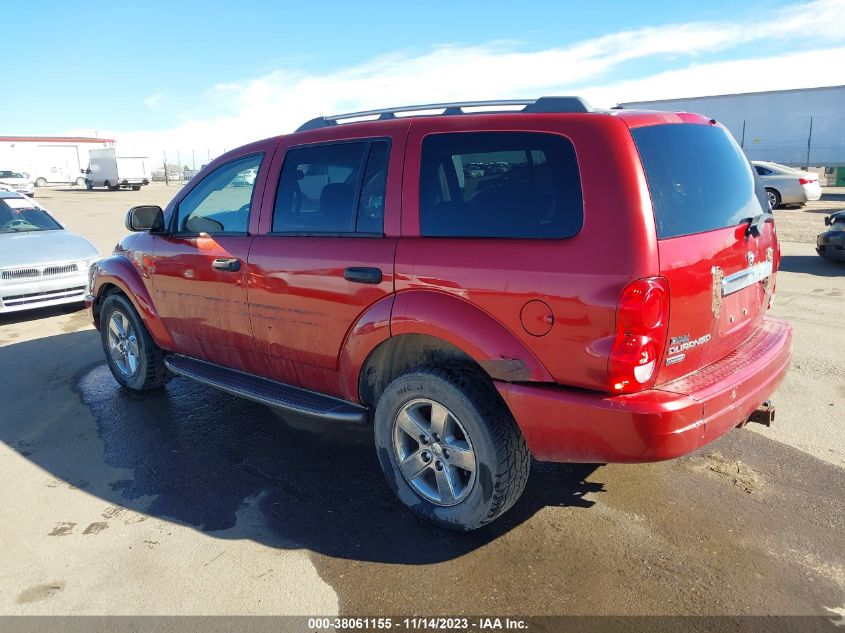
(541, 105)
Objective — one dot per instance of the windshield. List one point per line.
(698, 178)
(11, 174)
(20, 215)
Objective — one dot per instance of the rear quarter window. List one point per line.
(698, 177)
(499, 185)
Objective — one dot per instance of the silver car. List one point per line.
(41, 263)
(785, 185)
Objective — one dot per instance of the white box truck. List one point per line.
(105, 169)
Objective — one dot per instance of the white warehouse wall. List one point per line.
(776, 124)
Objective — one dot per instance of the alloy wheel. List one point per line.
(123, 344)
(434, 452)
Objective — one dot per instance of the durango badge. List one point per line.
(679, 344)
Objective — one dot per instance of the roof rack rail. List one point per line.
(541, 105)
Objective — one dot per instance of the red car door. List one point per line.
(199, 275)
(325, 255)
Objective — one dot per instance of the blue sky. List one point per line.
(222, 73)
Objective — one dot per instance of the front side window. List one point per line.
(337, 188)
(500, 185)
(221, 202)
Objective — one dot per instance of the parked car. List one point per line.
(831, 243)
(785, 185)
(550, 307)
(17, 181)
(41, 263)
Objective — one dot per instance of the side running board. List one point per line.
(267, 392)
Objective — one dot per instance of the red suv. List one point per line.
(483, 287)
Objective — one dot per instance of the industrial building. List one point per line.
(49, 159)
(800, 128)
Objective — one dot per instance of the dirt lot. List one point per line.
(190, 501)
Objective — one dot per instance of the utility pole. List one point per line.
(166, 178)
(809, 142)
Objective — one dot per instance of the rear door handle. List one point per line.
(227, 264)
(363, 275)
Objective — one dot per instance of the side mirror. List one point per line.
(145, 218)
(827, 220)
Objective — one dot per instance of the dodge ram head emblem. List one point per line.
(749, 257)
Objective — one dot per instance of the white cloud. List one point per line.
(279, 101)
(154, 100)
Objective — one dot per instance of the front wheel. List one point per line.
(134, 359)
(80, 182)
(449, 447)
(41, 182)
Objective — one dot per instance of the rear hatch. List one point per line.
(716, 241)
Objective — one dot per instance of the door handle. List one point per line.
(227, 264)
(363, 275)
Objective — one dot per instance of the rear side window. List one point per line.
(698, 178)
(337, 188)
(499, 184)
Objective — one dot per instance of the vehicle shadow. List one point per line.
(25, 316)
(234, 469)
(811, 265)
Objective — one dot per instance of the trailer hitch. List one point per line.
(765, 414)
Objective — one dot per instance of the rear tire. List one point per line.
(41, 182)
(136, 187)
(80, 182)
(461, 473)
(773, 197)
(134, 359)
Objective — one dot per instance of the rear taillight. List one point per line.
(806, 181)
(642, 316)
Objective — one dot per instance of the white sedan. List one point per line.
(17, 181)
(41, 263)
(786, 185)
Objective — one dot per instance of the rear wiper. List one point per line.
(755, 224)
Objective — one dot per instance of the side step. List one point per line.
(267, 392)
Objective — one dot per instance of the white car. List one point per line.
(17, 181)
(41, 263)
(786, 185)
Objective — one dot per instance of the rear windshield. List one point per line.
(698, 177)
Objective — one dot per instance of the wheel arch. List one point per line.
(428, 327)
(117, 274)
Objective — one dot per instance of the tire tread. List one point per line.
(513, 459)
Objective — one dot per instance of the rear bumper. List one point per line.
(565, 425)
(812, 192)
